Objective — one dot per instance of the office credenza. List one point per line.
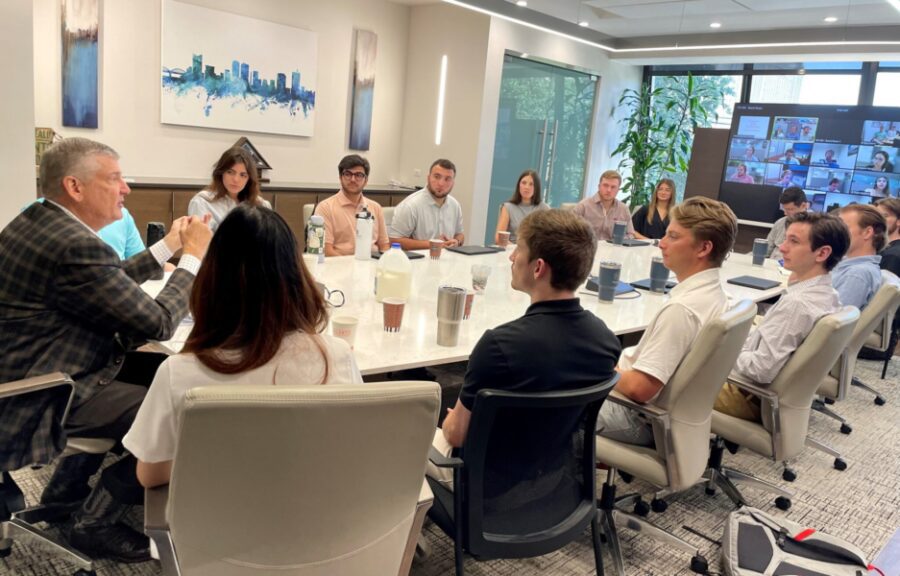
(164, 199)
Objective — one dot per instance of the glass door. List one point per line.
(544, 124)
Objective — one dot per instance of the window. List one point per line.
(806, 89)
(887, 89)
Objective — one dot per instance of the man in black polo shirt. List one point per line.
(555, 345)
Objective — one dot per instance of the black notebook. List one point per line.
(475, 250)
(635, 242)
(411, 255)
(644, 284)
(754, 282)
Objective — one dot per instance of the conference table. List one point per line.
(415, 344)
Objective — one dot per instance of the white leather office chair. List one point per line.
(872, 330)
(298, 480)
(786, 405)
(307, 213)
(681, 417)
(568, 205)
(55, 391)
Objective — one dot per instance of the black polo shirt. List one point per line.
(556, 345)
(890, 257)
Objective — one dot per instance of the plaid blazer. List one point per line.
(68, 304)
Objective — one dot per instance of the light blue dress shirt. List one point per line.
(857, 279)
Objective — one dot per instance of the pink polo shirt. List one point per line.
(339, 213)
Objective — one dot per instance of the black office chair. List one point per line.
(52, 395)
(549, 502)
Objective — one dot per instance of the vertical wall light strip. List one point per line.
(439, 127)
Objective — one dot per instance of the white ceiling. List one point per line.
(639, 18)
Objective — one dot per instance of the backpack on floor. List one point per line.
(757, 544)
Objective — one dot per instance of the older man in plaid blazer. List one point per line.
(68, 304)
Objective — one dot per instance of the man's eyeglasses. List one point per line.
(353, 175)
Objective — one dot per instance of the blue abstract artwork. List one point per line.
(261, 79)
(80, 32)
(363, 90)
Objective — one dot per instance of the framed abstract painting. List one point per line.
(80, 64)
(221, 70)
(363, 90)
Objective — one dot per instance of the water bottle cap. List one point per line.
(395, 245)
(317, 220)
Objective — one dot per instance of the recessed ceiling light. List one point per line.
(715, 24)
(831, 19)
(521, 3)
(584, 23)
(894, 3)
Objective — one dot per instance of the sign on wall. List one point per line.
(221, 70)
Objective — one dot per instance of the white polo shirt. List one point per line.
(672, 331)
(419, 217)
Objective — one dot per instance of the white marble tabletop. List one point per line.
(415, 344)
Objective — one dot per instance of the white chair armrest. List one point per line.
(35, 384)
(648, 410)
(751, 387)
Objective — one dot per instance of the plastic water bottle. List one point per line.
(315, 238)
(364, 224)
(393, 276)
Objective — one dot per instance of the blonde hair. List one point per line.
(611, 175)
(708, 220)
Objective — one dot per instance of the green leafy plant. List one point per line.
(659, 129)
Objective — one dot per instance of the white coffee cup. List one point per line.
(344, 327)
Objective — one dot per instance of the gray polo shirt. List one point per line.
(419, 217)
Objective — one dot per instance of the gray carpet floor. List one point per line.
(860, 504)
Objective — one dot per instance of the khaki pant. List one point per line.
(735, 402)
(442, 475)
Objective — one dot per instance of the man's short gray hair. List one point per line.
(70, 157)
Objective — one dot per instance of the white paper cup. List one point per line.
(344, 327)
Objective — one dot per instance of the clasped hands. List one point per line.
(191, 234)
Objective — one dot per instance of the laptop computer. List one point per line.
(409, 254)
(475, 250)
(754, 282)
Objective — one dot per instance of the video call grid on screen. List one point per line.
(838, 154)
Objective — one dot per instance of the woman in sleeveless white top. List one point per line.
(525, 200)
(235, 180)
(258, 319)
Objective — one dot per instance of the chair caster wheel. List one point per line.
(879, 400)
(846, 428)
(788, 475)
(4, 552)
(641, 508)
(840, 464)
(626, 477)
(658, 505)
(85, 573)
(828, 400)
(699, 565)
(710, 491)
(783, 503)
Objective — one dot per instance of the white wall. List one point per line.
(462, 35)
(476, 44)
(130, 88)
(17, 112)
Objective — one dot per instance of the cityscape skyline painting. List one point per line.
(80, 63)
(261, 80)
(363, 90)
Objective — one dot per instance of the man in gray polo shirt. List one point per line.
(430, 212)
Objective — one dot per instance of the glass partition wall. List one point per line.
(544, 123)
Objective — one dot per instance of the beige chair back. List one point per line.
(568, 205)
(798, 380)
(307, 213)
(691, 392)
(881, 337)
(872, 317)
(388, 213)
(310, 480)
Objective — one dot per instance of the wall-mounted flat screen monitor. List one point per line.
(838, 154)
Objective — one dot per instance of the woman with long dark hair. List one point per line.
(258, 319)
(525, 200)
(235, 180)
